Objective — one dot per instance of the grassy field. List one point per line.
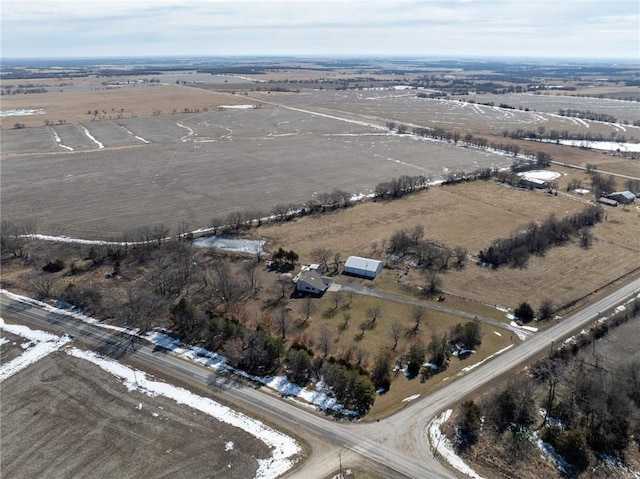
(472, 215)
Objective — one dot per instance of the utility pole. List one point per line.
(340, 458)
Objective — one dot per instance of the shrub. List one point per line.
(54, 267)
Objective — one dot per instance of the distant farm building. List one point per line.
(364, 267)
(624, 197)
(607, 201)
(312, 282)
(533, 183)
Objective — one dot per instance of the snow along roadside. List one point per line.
(443, 447)
(43, 344)
(284, 449)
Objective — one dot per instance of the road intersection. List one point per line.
(398, 443)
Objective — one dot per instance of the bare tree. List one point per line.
(346, 317)
(322, 256)
(432, 282)
(373, 314)
(183, 231)
(395, 331)
(43, 285)
(216, 224)
(140, 308)
(284, 285)
(283, 322)
(251, 276)
(363, 326)
(337, 299)
(547, 309)
(460, 257)
(418, 312)
(336, 262)
(14, 235)
(307, 308)
(325, 341)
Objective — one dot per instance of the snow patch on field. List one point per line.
(229, 244)
(237, 107)
(599, 145)
(40, 344)
(444, 448)
(22, 112)
(59, 140)
(135, 136)
(190, 131)
(92, 138)
(284, 448)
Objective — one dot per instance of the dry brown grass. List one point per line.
(472, 215)
(134, 101)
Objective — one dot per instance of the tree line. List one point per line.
(537, 238)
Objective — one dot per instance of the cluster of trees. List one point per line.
(588, 115)
(601, 185)
(399, 187)
(587, 410)
(410, 245)
(537, 238)
(22, 90)
(14, 236)
(351, 384)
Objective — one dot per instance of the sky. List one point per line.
(597, 29)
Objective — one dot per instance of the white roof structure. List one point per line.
(362, 266)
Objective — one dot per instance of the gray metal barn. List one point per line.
(365, 267)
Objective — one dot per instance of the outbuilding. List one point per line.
(607, 201)
(624, 197)
(364, 267)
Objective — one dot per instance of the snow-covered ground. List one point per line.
(443, 447)
(541, 175)
(317, 398)
(284, 449)
(21, 112)
(40, 344)
(600, 145)
(229, 244)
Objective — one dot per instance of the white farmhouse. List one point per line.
(365, 267)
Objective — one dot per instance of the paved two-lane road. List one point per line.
(398, 442)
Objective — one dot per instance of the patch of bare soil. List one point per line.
(64, 417)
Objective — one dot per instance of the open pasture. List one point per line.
(403, 106)
(473, 215)
(199, 166)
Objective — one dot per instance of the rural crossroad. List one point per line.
(398, 442)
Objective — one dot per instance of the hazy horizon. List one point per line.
(523, 29)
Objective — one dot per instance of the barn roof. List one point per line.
(365, 264)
